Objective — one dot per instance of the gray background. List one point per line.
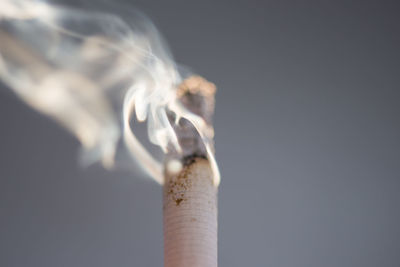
(307, 138)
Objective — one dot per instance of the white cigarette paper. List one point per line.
(190, 217)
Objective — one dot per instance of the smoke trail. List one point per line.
(86, 68)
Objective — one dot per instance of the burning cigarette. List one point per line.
(190, 194)
(81, 68)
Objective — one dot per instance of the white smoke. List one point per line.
(88, 69)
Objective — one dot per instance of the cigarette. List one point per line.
(190, 216)
(191, 185)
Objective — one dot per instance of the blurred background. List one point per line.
(307, 139)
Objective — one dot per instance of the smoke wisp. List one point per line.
(91, 72)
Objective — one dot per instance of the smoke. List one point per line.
(91, 71)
